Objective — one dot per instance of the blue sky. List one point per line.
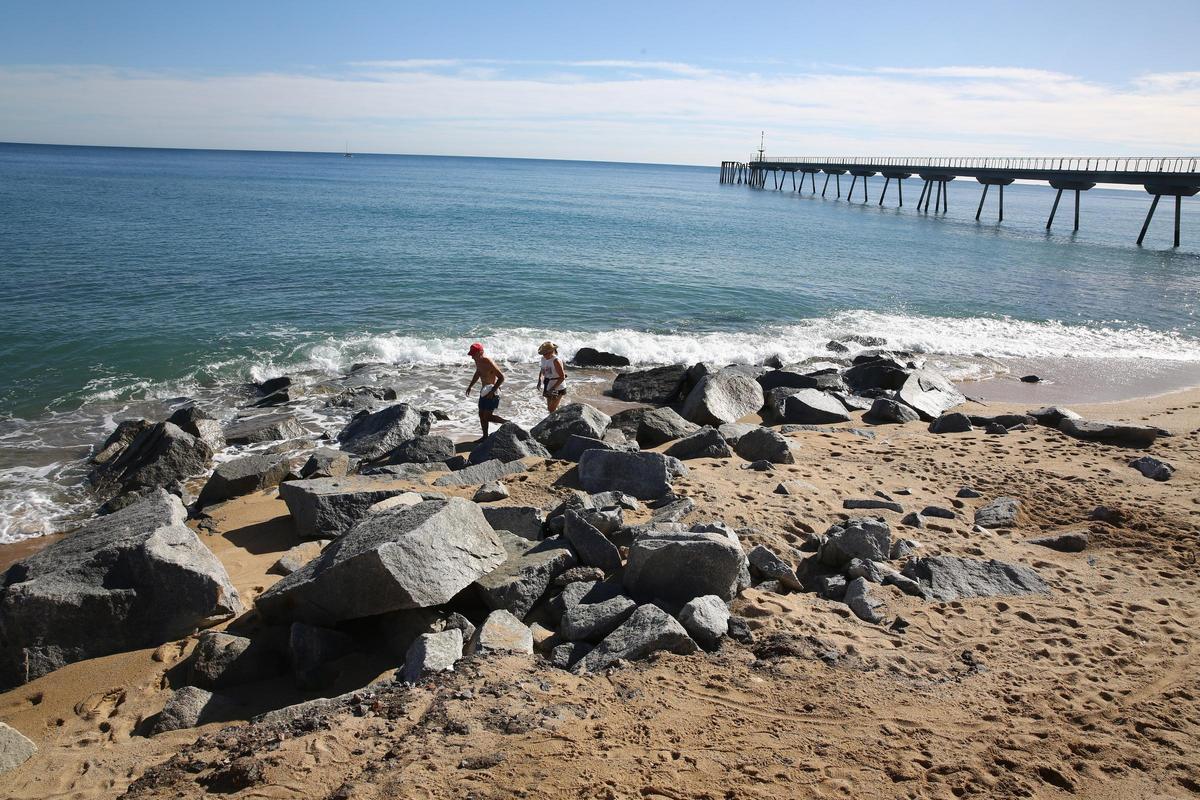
(670, 82)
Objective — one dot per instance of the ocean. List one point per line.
(133, 279)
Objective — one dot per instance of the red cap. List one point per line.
(475, 349)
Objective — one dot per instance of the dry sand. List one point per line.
(1090, 691)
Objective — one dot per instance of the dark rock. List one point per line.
(938, 511)
(762, 465)
(763, 444)
(423, 450)
(263, 428)
(856, 402)
(221, 660)
(312, 650)
(326, 462)
(490, 492)
(371, 435)
(1153, 468)
(403, 558)
(120, 439)
(803, 406)
(243, 476)
(566, 655)
(604, 500)
(867, 538)
(869, 503)
(325, 508)
(913, 520)
(509, 442)
(273, 385)
(995, 429)
(583, 592)
(951, 423)
(1003, 512)
(135, 578)
(679, 566)
(885, 410)
(593, 547)
(1005, 420)
(1030, 379)
(787, 379)
(673, 511)
(661, 425)
(642, 475)
(199, 423)
(579, 575)
(948, 578)
(475, 474)
(967, 492)
(524, 521)
(733, 431)
(591, 357)
(626, 422)
(1069, 542)
(876, 373)
(704, 443)
(648, 630)
(161, 456)
(521, 580)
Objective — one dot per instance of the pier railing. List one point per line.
(1169, 164)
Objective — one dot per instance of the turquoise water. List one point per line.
(131, 276)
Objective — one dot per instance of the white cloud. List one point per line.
(609, 110)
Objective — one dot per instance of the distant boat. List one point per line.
(348, 154)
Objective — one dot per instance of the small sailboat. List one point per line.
(348, 154)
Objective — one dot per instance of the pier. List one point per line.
(1176, 177)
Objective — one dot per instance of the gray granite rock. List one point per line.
(658, 385)
(326, 462)
(704, 443)
(770, 566)
(864, 537)
(403, 558)
(1003, 512)
(723, 397)
(263, 428)
(524, 521)
(371, 435)
(509, 442)
(489, 493)
(188, 707)
(803, 406)
(135, 578)
(432, 653)
(424, 449)
(502, 633)
(160, 456)
(1068, 542)
(764, 444)
(884, 409)
(643, 475)
(593, 621)
(706, 619)
(486, 472)
(325, 508)
(526, 573)
(577, 419)
(951, 423)
(592, 546)
(862, 602)
(1153, 468)
(243, 476)
(948, 578)
(221, 660)
(929, 394)
(1123, 434)
(648, 630)
(661, 425)
(679, 566)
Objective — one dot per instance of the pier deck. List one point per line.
(1176, 177)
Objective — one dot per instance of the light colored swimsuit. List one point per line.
(550, 377)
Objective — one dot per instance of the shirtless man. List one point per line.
(490, 380)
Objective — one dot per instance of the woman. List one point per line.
(552, 378)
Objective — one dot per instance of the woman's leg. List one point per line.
(552, 402)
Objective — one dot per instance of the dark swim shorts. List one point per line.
(490, 402)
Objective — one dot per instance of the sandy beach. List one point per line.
(1087, 691)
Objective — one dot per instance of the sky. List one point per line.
(647, 81)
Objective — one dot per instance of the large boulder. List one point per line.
(648, 630)
(876, 372)
(948, 578)
(502, 632)
(646, 476)
(199, 423)
(1123, 434)
(509, 442)
(119, 440)
(161, 456)
(407, 557)
(1052, 416)
(661, 425)
(577, 445)
(263, 428)
(243, 476)
(726, 396)
(1003, 512)
(677, 566)
(371, 435)
(593, 621)
(764, 444)
(929, 394)
(803, 407)
(660, 385)
(862, 601)
(325, 508)
(707, 442)
(884, 409)
(423, 450)
(221, 660)
(787, 378)
(432, 653)
(953, 422)
(135, 578)
(706, 619)
(577, 419)
(188, 707)
(523, 577)
(591, 357)
(326, 462)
